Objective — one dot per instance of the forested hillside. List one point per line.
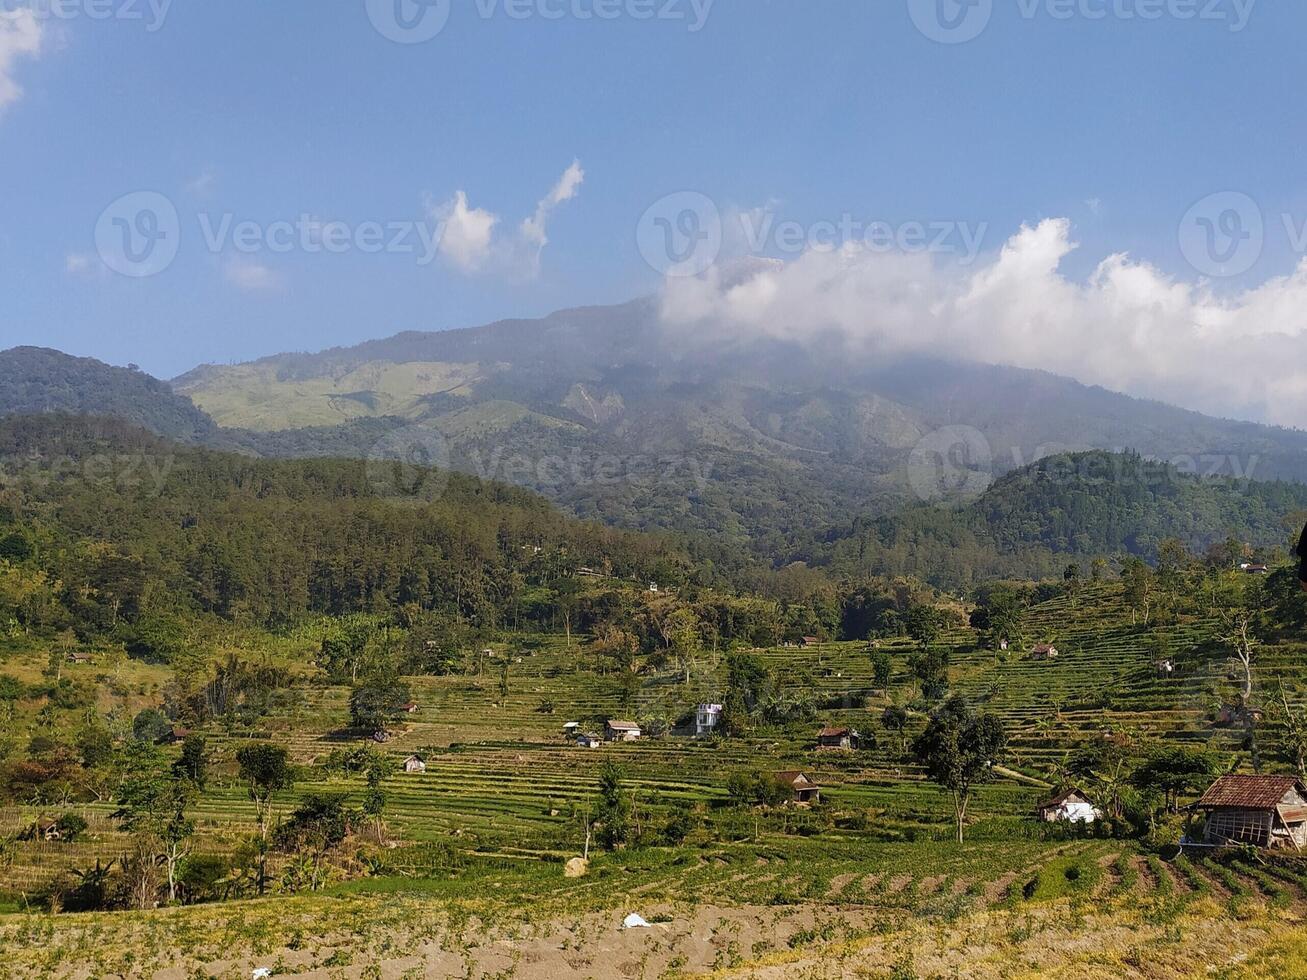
(119, 521)
(1084, 506)
(35, 380)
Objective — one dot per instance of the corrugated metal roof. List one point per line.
(1253, 792)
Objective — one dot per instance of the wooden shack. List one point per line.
(1264, 811)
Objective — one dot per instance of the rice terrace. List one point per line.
(494, 792)
(633, 489)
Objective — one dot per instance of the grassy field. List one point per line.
(772, 907)
(471, 883)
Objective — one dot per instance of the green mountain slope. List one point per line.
(1081, 506)
(34, 380)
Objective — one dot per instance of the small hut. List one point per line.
(1070, 806)
(622, 731)
(415, 764)
(803, 791)
(1265, 811)
(838, 738)
(1044, 651)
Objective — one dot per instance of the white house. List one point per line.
(706, 718)
(415, 764)
(1071, 806)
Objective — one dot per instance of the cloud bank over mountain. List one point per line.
(1128, 326)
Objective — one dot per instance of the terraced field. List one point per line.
(502, 805)
(775, 907)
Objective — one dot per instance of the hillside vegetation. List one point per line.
(214, 670)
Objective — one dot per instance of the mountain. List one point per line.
(617, 416)
(781, 447)
(35, 380)
(1032, 521)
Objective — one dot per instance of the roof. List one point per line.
(624, 726)
(834, 733)
(1064, 797)
(1250, 792)
(1045, 648)
(795, 779)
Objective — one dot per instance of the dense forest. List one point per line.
(1082, 506)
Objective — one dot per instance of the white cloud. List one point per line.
(1127, 327)
(533, 230)
(467, 233)
(79, 264)
(469, 241)
(250, 276)
(20, 37)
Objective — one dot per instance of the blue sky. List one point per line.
(269, 111)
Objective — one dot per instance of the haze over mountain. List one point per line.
(780, 444)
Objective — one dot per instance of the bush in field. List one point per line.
(755, 789)
(613, 814)
(314, 831)
(376, 703)
(204, 877)
(151, 725)
(71, 826)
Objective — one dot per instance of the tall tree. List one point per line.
(266, 770)
(959, 749)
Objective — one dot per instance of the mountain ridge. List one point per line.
(770, 443)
